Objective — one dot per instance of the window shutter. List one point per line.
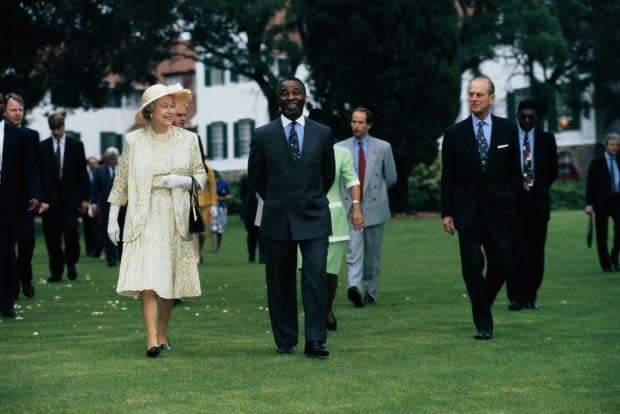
(237, 140)
(207, 76)
(209, 143)
(225, 138)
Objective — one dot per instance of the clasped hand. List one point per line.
(172, 181)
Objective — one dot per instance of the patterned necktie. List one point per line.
(612, 176)
(483, 147)
(293, 143)
(527, 162)
(58, 158)
(361, 165)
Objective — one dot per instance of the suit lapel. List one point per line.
(471, 145)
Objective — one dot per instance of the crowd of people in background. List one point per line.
(308, 204)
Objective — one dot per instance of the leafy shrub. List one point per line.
(425, 186)
(568, 195)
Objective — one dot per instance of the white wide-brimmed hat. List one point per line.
(152, 93)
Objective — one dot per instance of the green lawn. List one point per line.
(79, 347)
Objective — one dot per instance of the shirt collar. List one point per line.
(487, 120)
(286, 122)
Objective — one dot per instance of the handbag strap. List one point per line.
(193, 191)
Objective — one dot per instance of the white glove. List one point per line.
(213, 211)
(114, 231)
(173, 181)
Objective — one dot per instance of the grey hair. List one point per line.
(111, 152)
(484, 77)
(147, 112)
(612, 136)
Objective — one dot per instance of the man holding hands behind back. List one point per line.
(479, 182)
(291, 166)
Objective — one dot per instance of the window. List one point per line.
(213, 76)
(172, 79)
(244, 128)
(73, 134)
(112, 98)
(558, 116)
(110, 139)
(284, 67)
(217, 141)
(134, 98)
(238, 78)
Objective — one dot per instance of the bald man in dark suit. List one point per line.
(292, 167)
(480, 178)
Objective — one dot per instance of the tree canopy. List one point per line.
(70, 47)
(564, 47)
(247, 38)
(399, 59)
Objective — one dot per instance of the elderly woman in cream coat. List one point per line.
(155, 174)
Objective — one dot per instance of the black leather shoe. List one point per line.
(9, 313)
(316, 349)
(166, 346)
(368, 299)
(483, 335)
(355, 296)
(532, 305)
(28, 290)
(152, 352)
(515, 306)
(72, 273)
(54, 279)
(284, 349)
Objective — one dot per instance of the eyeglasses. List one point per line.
(526, 117)
(53, 127)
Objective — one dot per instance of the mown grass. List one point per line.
(79, 347)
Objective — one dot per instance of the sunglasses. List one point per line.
(526, 117)
(53, 127)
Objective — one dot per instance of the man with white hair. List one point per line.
(603, 198)
(102, 185)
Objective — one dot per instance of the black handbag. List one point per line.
(196, 223)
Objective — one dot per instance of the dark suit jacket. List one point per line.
(19, 179)
(545, 173)
(32, 137)
(296, 205)
(467, 192)
(102, 185)
(598, 185)
(74, 187)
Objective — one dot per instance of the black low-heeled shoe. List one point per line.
(165, 347)
(152, 352)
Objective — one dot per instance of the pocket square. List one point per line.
(502, 146)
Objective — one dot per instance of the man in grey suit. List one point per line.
(291, 166)
(374, 163)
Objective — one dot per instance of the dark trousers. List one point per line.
(526, 274)
(112, 252)
(496, 241)
(8, 277)
(56, 226)
(601, 222)
(25, 250)
(253, 240)
(93, 235)
(280, 268)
